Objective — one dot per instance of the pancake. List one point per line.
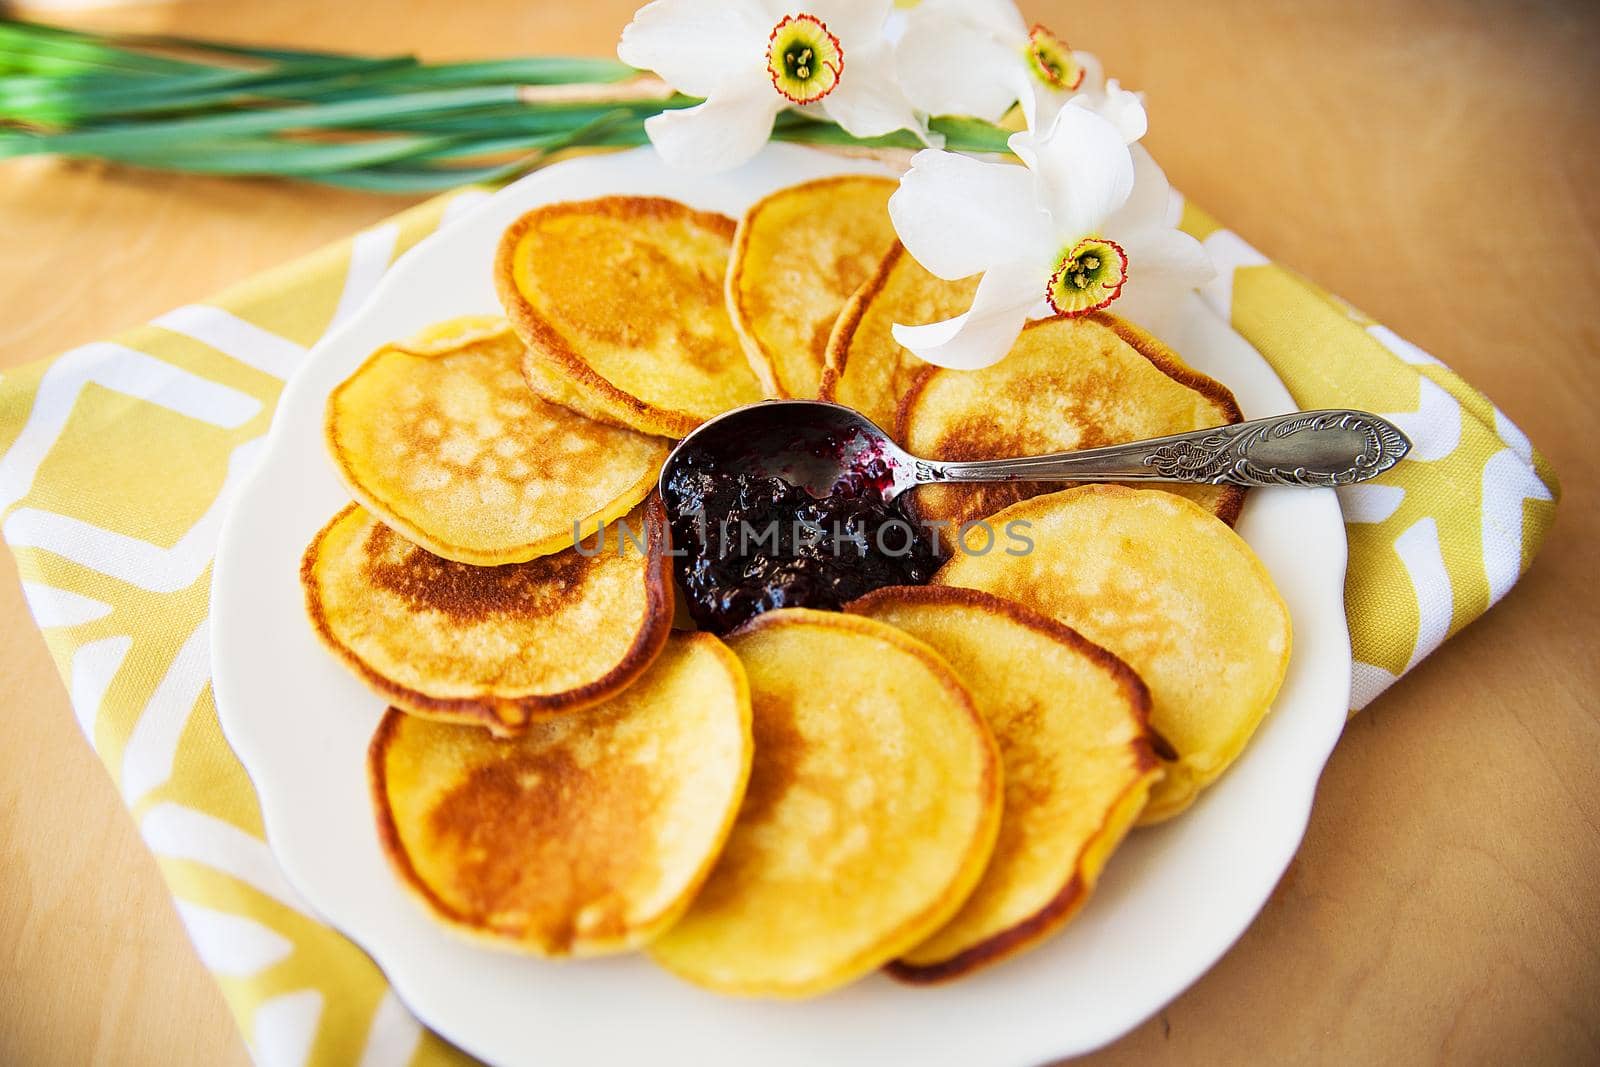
(1070, 719)
(620, 303)
(588, 834)
(873, 804)
(798, 254)
(497, 646)
(1172, 592)
(442, 439)
(1068, 383)
(866, 368)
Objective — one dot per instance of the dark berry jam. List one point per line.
(749, 543)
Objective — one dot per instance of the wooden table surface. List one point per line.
(1436, 163)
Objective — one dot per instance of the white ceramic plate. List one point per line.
(1172, 900)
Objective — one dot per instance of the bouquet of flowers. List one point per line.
(1029, 169)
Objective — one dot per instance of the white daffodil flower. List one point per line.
(1082, 225)
(978, 57)
(750, 59)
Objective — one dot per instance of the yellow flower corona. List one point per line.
(804, 59)
(1088, 277)
(1052, 61)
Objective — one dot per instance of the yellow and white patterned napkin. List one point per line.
(118, 460)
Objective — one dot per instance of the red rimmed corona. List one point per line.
(804, 59)
(1088, 277)
(1052, 61)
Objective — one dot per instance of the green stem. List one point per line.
(68, 101)
(402, 126)
(55, 49)
(350, 114)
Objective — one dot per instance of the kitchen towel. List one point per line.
(118, 460)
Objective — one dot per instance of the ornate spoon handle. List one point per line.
(1315, 448)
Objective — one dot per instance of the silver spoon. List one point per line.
(825, 447)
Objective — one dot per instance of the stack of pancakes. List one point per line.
(928, 782)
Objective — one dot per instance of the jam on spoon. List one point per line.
(796, 518)
(825, 480)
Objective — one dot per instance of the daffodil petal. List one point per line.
(725, 131)
(982, 335)
(1124, 110)
(1164, 256)
(999, 17)
(957, 215)
(1040, 102)
(1150, 202)
(1082, 168)
(929, 336)
(696, 46)
(857, 23)
(1164, 265)
(1094, 72)
(868, 101)
(948, 69)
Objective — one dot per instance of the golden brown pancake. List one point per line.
(442, 439)
(1070, 719)
(866, 368)
(1174, 593)
(588, 834)
(873, 804)
(798, 254)
(1068, 383)
(620, 303)
(498, 646)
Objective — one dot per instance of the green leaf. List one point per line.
(106, 140)
(620, 128)
(961, 134)
(67, 101)
(69, 50)
(523, 118)
(527, 70)
(284, 159)
(964, 134)
(168, 42)
(419, 179)
(223, 48)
